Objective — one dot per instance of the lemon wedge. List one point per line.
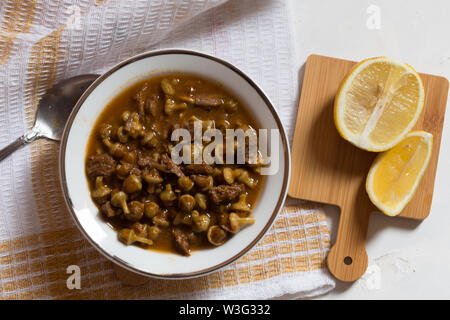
(395, 174)
(378, 103)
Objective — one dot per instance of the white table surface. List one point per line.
(407, 259)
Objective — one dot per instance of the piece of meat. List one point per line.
(146, 160)
(208, 100)
(140, 98)
(100, 165)
(203, 168)
(224, 193)
(149, 101)
(154, 106)
(171, 166)
(166, 164)
(181, 241)
(107, 210)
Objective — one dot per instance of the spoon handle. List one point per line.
(19, 142)
(13, 146)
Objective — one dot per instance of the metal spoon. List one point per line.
(53, 110)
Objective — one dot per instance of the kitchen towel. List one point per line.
(43, 42)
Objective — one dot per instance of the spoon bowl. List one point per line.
(53, 111)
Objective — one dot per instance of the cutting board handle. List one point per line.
(347, 259)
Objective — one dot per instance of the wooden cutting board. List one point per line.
(328, 169)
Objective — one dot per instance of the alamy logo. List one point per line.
(374, 20)
(74, 280)
(74, 20)
(373, 277)
(236, 147)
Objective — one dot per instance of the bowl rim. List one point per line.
(111, 256)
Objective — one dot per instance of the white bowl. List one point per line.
(75, 185)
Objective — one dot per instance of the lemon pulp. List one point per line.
(378, 103)
(395, 174)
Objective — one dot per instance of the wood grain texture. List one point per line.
(328, 169)
(130, 278)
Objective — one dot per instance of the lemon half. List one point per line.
(378, 103)
(395, 174)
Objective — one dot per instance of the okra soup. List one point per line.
(155, 201)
